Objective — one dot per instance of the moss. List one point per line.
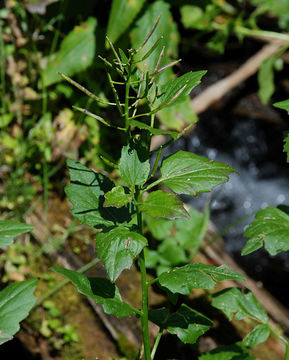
(129, 350)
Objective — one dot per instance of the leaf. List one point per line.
(159, 316)
(117, 197)
(9, 229)
(117, 249)
(122, 14)
(163, 204)
(101, 290)
(271, 227)
(176, 90)
(154, 131)
(196, 276)
(16, 300)
(258, 335)
(188, 324)
(76, 53)
(236, 351)
(187, 173)
(284, 105)
(232, 301)
(86, 192)
(134, 164)
(266, 79)
(286, 147)
(160, 228)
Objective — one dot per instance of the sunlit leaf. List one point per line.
(233, 301)
(75, 54)
(187, 173)
(117, 249)
(196, 276)
(271, 229)
(86, 192)
(121, 15)
(116, 197)
(16, 300)
(101, 290)
(134, 164)
(9, 229)
(160, 204)
(258, 335)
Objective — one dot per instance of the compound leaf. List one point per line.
(187, 173)
(16, 300)
(76, 53)
(164, 205)
(196, 276)
(236, 351)
(258, 335)
(117, 249)
(86, 192)
(116, 197)
(103, 291)
(233, 301)
(9, 229)
(121, 15)
(271, 227)
(134, 164)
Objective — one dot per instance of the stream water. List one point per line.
(254, 149)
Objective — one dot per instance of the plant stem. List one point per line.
(279, 336)
(287, 351)
(158, 338)
(144, 285)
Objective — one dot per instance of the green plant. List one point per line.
(117, 210)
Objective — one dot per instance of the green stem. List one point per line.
(2, 71)
(126, 104)
(287, 351)
(45, 186)
(158, 338)
(278, 336)
(144, 284)
(64, 282)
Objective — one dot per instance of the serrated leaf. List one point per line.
(101, 290)
(16, 300)
(187, 173)
(154, 131)
(233, 301)
(160, 204)
(196, 276)
(116, 197)
(117, 249)
(122, 14)
(271, 227)
(134, 164)
(229, 352)
(86, 192)
(169, 91)
(258, 335)
(75, 54)
(284, 105)
(266, 79)
(9, 229)
(188, 324)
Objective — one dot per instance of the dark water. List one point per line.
(254, 149)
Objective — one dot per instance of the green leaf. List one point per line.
(188, 324)
(229, 352)
(170, 254)
(193, 17)
(117, 197)
(286, 147)
(233, 301)
(187, 173)
(122, 14)
(266, 79)
(271, 227)
(284, 105)
(163, 204)
(117, 249)
(86, 193)
(75, 54)
(196, 276)
(134, 164)
(16, 300)
(101, 290)
(258, 335)
(154, 131)
(9, 229)
(159, 316)
(160, 228)
(176, 90)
